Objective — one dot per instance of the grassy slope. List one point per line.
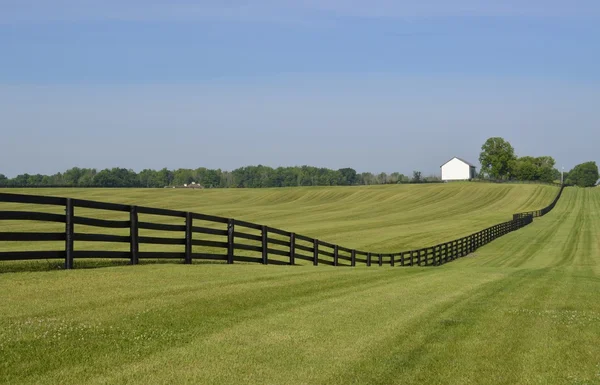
(374, 218)
(523, 310)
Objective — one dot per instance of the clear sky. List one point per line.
(379, 85)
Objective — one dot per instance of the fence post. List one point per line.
(368, 259)
(292, 249)
(265, 252)
(353, 258)
(315, 252)
(380, 260)
(134, 232)
(230, 240)
(69, 230)
(402, 258)
(188, 238)
(335, 255)
(392, 256)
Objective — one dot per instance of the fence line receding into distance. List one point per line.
(225, 237)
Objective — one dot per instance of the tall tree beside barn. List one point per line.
(530, 168)
(497, 158)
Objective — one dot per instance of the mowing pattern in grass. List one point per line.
(523, 311)
(452, 194)
(432, 255)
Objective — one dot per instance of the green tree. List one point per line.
(148, 178)
(3, 180)
(183, 176)
(530, 168)
(71, 176)
(584, 175)
(497, 157)
(348, 176)
(524, 168)
(87, 178)
(116, 177)
(417, 177)
(545, 168)
(382, 178)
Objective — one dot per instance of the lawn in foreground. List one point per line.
(522, 310)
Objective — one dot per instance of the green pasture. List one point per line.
(369, 218)
(521, 310)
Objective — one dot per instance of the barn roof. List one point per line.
(462, 160)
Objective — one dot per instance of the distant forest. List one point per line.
(497, 158)
(251, 177)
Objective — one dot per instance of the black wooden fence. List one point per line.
(264, 244)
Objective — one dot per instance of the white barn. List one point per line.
(457, 169)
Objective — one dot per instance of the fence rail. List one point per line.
(262, 242)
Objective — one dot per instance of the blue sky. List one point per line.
(379, 86)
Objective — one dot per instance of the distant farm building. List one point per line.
(457, 169)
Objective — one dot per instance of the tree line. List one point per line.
(497, 158)
(498, 161)
(250, 177)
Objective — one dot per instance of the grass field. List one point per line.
(371, 218)
(522, 310)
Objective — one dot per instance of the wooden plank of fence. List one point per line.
(159, 226)
(31, 255)
(31, 216)
(32, 199)
(162, 241)
(31, 237)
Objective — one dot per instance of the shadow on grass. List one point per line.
(55, 265)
